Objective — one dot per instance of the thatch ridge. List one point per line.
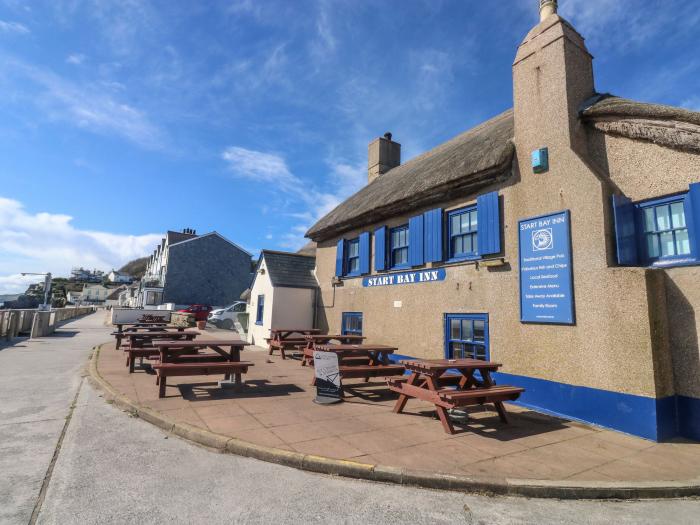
(667, 126)
(462, 165)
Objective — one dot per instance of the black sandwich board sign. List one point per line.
(328, 387)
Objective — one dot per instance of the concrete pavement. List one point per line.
(38, 382)
(114, 468)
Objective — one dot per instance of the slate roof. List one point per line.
(290, 270)
(174, 237)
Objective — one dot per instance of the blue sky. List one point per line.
(120, 119)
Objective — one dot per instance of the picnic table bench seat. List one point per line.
(355, 371)
(308, 359)
(482, 395)
(164, 370)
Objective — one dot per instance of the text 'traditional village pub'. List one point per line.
(560, 238)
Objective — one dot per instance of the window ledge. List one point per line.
(466, 258)
(673, 263)
(259, 323)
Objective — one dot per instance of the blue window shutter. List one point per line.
(489, 224)
(340, 258)
(364, 253)
(625, 230)
(415, 240)
(380, 249)
(432, 226)
(693, 210)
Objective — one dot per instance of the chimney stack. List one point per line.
(384, 154)
(547, 9)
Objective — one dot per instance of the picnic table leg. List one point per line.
(486, 377)
(401, 401)
(441, 412)
(131, 363)
(161, 387)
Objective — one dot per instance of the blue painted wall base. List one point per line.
(646, 417)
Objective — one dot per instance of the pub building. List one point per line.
(560, 238)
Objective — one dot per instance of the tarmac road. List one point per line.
(114, 468)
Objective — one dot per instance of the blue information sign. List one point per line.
(546, 283)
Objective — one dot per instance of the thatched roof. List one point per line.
(482, 156)
(464, 165)
(308, 249)
(666, 126)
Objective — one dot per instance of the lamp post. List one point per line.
(47, 288)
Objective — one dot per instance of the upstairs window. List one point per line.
(462, 230)
(665, 231)
(399, 247)
(352, 263)
(658, 232)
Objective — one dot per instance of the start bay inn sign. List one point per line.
(546, 284)
(423, 276)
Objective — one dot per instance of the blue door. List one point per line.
(352, 323)
(467, 336)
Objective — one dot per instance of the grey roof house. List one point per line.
(186, 268)
(283, 293)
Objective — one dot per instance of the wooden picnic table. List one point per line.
(141, 344)
(376, 364)
(314, 340)
(431, 380)
(140, 327)
(281, 339)
(180, 358)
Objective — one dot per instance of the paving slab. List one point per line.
(275, 409)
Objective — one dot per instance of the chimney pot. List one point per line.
(383, 154)
(547, 9)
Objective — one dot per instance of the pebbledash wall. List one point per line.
(628, 359)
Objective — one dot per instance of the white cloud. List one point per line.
(692, 103)
(259, 166)
(628, 24)
(75, 59)
(85, 106)
(272, 169)
(48, 242)
(13, 27)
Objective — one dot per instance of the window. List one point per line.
(658, 232)
(352, 263)
(664, 230)
(153, 298)
(462, 233)
(467, 336)
(352, 323)
(261, 309)
(398, 252)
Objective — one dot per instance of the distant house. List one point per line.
(87, 276)
(74, 297)
(282, 295)
(186, 268)
(94, 293)
(117, 277)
